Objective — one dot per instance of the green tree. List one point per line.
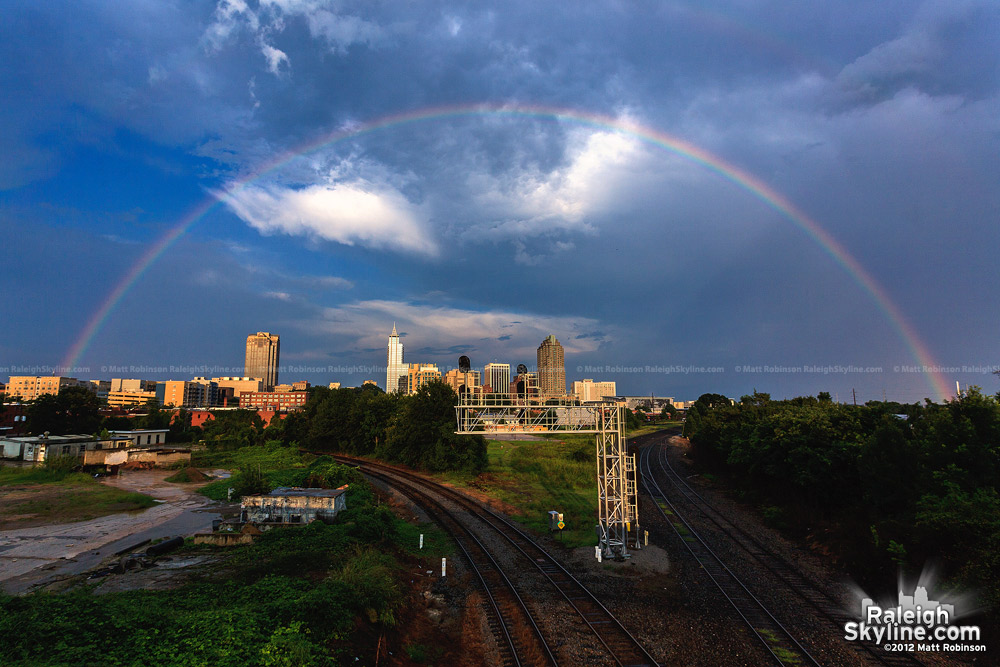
(72, 410)
(422, 433)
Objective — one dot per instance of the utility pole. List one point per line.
(855, 395)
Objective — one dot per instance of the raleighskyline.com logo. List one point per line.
(916, 623)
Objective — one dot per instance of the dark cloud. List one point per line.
(878, 124)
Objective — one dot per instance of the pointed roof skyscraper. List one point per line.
(394, 366)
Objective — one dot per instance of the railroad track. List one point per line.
(519, 639)
(622, 647)
(776, 639)
(827, 607)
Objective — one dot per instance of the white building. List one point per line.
(395, 369)
(142, 438)
(497, 376)
(588, 390)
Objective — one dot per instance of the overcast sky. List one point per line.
(483, 230)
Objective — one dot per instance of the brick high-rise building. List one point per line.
(551, 368)
(262, 358)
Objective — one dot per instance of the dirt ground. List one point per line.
(38, 556)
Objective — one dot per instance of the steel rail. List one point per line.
(817, 598)
(622, 646)
(507, 603)
(749, 607)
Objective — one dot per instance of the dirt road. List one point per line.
(35, 557)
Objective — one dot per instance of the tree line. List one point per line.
(416, 430)
(890, 485)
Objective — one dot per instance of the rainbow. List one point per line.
(754, 186)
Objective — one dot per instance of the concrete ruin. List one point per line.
(293, 505)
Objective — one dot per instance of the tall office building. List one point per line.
(551, 368)
(497, 376)
(395, 369)
(262, 358)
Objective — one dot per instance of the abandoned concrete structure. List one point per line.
(293, 505)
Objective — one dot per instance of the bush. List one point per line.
(62, 464)
(250, 481)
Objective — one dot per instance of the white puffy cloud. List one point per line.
(275, 57)
(348, 213)
(600, 168)
(340, 31)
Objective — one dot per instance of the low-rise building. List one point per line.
(100, 387)
(588, 390)
(293, 505)
(161, 457)
(41, 448)
(456, 379)
(301, 385)
(651, 403)
(276, 401)
(125, 384)
(143, 437)
(13, 419)
(198, 393)
(239, 385)
(130, 399)
(30, 387)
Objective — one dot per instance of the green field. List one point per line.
(40, 495)
(652, 428)
(534, 477)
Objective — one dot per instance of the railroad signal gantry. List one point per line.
(617, 509)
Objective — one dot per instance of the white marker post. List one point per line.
(421, 540)
(597, 552)
(444, 567)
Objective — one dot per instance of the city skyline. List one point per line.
(694, 199)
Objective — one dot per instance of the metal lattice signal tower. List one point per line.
(617, 510)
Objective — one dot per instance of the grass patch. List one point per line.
(17, 475)
(280, 466)
(535, 477)
(652, 428)
(423, 654)
(786, 656)
(37, 496)
(437, 543)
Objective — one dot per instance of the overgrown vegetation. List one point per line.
(298, 596)
(891, 484)
(538, 476)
